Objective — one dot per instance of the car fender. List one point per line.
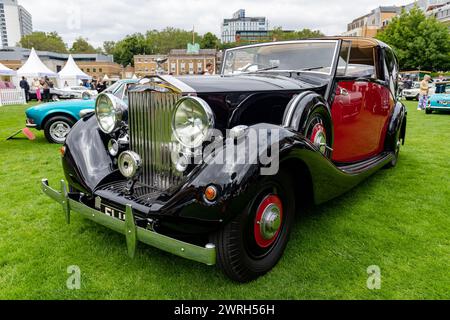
(397, 127)
(86, 161)
(300, 108)
(53, 112)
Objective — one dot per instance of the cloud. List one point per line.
(102, 20)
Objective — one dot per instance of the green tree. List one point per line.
(209, 41)
(43, 41)
(278, 34)
(108, 47)
(82, 45)
(161, 42)
(126, 49)
(420, 42)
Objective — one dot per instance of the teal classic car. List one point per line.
(438, 102)
(58, 118)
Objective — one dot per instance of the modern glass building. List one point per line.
(239, 23)
(15, 22)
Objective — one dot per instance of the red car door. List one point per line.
(360, 115)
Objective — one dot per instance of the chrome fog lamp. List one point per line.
(129, 164)
(113, 147)
(110, 112)
(192, 121)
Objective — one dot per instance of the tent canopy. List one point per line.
(35, 68)
(5, 71)
(72, 71)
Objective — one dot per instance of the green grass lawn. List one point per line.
(399, 220)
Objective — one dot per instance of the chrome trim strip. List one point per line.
(183, 87)
(292, 107)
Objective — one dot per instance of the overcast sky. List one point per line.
(100, 20)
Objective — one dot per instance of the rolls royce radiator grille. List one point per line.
(150, 130)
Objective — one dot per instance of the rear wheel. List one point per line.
(57, 128)
(318, 131)
(253, 243)
(394, 160)
(428, 111)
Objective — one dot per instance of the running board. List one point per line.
(356, 168)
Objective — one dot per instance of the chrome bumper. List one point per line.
(128, 228)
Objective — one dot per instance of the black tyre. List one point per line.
(57, 128)
(253, 243)
(318, 130)
(409, 99)
(55, 97)
(428, 111)
(396, 152)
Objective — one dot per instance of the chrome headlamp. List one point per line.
(110, 112)
(192, 122)
(129, 164)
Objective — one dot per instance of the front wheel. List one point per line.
(253, 243)
(428, 111)
(57, 128)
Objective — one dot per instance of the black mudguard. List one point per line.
(87, 162)
(396, 128)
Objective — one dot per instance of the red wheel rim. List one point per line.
(319, 137)
(268, 222)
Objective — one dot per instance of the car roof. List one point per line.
(360, 41)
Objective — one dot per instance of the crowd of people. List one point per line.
(40, 86)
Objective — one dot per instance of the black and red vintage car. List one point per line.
(309, 120)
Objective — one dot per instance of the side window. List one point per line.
(391, 70)
(361, 61)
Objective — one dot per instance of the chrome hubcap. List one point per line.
(59, 131)
(270, 222)
(319, 137)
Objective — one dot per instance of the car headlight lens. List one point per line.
(129, 164)
(192, 122)
(110, 112)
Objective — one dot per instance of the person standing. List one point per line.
(440, 86)
(209, 69)
(37, 87)
(26, 87)
(46, 86)
(424, 92)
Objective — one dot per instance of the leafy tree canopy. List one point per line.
(209, 41)
(108, 47)
(82, 45)
(43, 41)
(279, 35)
(125, 50)
(420, 42)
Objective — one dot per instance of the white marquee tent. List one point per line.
(35, 68)
(5, 71)
(72, 74)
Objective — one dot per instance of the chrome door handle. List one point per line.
(343, 92)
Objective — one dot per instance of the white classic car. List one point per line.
(72, 92)
(414, 92)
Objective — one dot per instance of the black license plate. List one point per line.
(113, 212)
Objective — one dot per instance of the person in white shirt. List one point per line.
(209, 69)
